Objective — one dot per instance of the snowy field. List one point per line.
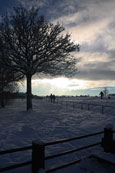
(94, 104)
(49, 122)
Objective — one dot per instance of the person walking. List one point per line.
(101, 94)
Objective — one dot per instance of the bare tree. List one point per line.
(36, 46)
(8, 77)
(8, 82)
(105, 91)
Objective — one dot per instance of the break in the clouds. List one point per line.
(91, 23)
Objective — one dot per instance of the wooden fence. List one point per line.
(81, 104)
(38, 152)
(16, 165)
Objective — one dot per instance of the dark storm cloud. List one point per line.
(96, 74)
(97, 45)
(90, 20)
(53, 8)
(97, 70)
(59, 8)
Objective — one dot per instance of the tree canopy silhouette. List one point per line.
(8, 76)
(35, 46)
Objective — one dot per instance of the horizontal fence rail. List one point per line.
(15, 166)
(63, 166)
(15, 150)
(106, 132)
(71, 151)
(38, 152)
(74, 138)
(73, 103)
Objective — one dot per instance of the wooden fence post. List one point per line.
(38, 157)
(108, 139)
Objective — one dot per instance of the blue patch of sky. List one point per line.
(5, 5)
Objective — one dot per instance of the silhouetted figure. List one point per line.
(101, 94)
(51, 97)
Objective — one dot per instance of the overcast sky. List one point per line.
(92, 25)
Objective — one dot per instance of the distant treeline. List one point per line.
(15, 95)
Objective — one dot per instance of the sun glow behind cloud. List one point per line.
(61, 83)
(92, 25)
(58, 86)
(65, 86)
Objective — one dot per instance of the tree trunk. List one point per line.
(2, 96)
(29, 94)
(2, 100)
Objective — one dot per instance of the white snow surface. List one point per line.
(49, 122)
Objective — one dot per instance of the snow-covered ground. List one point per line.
(49, 122)
(94, 104)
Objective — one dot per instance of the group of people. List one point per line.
(52, 98)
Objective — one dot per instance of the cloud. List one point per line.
(91, 24)
(96, 66)
(96, 74)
